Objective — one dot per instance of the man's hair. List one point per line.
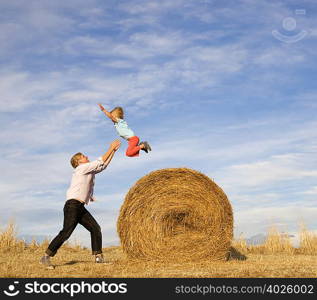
(119, 112)
(74, 159)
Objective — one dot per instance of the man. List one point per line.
(80, 193)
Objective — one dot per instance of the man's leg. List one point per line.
(72, 213)
(89, 222)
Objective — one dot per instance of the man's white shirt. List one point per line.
(83, 180)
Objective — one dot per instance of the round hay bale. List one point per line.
(176, 214)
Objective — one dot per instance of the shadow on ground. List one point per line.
(73, 262)
(234, 254)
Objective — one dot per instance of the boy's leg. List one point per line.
(133, 148)
(72, 213)
(89, 222)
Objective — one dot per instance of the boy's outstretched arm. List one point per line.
(107, 113)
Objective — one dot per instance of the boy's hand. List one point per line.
(115, 145)
(101, 107)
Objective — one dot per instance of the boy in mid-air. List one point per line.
(116, 116)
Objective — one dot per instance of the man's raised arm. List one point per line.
(100, 164)
(114, 146)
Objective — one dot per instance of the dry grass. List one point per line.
(8, 240)
(308, 241)
(275, 243)
(274, 258)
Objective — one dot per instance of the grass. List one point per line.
(276, 257)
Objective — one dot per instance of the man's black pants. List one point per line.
(74, 213)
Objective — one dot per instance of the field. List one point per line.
(276, 257)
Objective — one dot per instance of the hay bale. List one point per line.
(176, 214)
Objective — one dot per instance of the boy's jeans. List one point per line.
(74, 213)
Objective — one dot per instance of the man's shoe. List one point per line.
(45, 260)
(99, 259)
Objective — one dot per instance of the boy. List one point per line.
(117, 117)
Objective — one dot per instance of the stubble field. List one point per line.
(276, 257)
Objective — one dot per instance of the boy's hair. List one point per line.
(119, 112)
(74, 160)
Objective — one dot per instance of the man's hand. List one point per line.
(101, 107)
(115, 145)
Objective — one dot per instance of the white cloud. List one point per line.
(287, 218)
(137, 46)
(242, 12)
(28, 173)
(88, 45)
(159, 43)
(293, 166)
(29, 92)
(311, 191)
(129, 23)
(54, 129)
(279, 56)
(151, 7)
(27, 24)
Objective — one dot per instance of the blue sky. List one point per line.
(205, 82)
